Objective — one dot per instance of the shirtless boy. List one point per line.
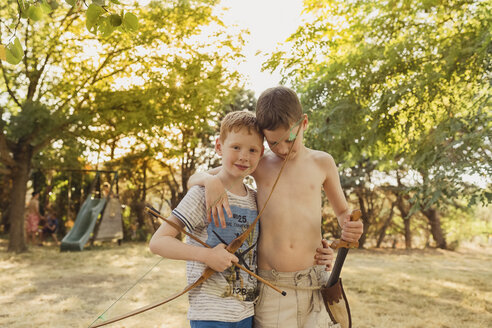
(290, 224)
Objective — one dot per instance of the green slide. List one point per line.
(84, 224)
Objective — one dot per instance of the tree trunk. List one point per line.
(20, 176)
(406, 222)
(408, 233)
(436, 229)
(382, 232)
(403, 212)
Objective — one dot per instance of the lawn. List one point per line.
(386, 288)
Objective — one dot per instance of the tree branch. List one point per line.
(90, 78)
(111, 74)
(25, 52)
(11, 93)
(50, 50)
(54, 132)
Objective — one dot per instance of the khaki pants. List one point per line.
(302, 307)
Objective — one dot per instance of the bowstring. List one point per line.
(292, 137)
(101, 316)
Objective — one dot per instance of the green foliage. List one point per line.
(115, 20)
(243, 99)
(100, 19)
(130, 22)
(403, 86)
(399, 83)
(33, 119)
(150, 97)
(36, 10)
(467, 225)
(14, 52)
(94, 17)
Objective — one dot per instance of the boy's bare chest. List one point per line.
(295, 181)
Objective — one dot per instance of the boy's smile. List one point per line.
(241, 151)
(241, 167)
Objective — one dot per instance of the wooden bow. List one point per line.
(232, 248)
(155, 213)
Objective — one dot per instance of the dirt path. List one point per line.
(46, 288)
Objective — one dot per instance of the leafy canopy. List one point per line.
(102, 17)
(400, 84)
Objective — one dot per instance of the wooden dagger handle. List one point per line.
(340, 243)
(342, 252)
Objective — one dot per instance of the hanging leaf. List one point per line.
(115, 20)
(130, 22)
(71, 2)
(115, 2)
(53, 4)
(14, 52)
(45, 7)
(24, 13)
(99, 2)
(23, 9)
(35, 13)
(92, 16)
(105, 27)
(16, 48)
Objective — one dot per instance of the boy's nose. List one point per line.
(244, 156)
(282, 149)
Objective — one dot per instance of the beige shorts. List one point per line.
(301, 307)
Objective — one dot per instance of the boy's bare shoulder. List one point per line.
(268, 158)
(265, 164)
(321, 157)
(326, 165)
(323, 160)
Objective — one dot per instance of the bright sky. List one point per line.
(270, 22)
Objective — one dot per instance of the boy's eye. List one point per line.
(235, 147)
(253, 150)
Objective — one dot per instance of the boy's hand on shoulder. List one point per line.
(324, 255)
(219, 259)
(216, 201)
(352, 230)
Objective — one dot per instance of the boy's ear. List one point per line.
(262, 150)
(305, 122)
(218, 147)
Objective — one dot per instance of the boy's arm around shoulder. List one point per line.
(215, 191)
(200, 178)
(165, 244)
(351, 230)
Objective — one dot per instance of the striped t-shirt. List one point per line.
(226, 296)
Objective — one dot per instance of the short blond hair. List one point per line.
(234, 121)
